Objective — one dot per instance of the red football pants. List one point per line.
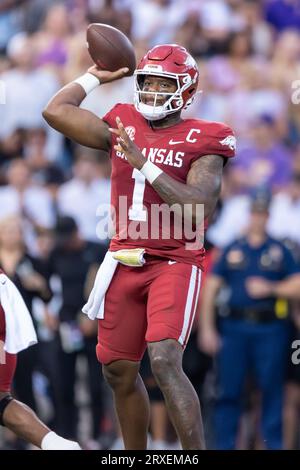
(8, 361)
(146, 304)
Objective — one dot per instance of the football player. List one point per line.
(14, 414)
(159, 160)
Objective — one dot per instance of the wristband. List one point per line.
(88, 82)
(150, 171)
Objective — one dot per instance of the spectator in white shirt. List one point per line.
(285, 212)
(284, 220)
(82, 196)
(27, 91)
(21, 197)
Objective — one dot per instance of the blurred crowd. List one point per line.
(248, 52)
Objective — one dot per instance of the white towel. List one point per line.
(94, 308)
(19, 329)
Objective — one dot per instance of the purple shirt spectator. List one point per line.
(56, 54)
(283, 14)
(264, 160)
(271, 166)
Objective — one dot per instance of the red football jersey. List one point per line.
(142, 218)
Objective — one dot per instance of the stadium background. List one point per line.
(249, 59)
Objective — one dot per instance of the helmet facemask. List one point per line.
(174, 101)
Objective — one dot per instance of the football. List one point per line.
(109, 48)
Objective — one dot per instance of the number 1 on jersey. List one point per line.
(137, 211)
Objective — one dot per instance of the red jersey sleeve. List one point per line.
(217, 139)
(221, 141)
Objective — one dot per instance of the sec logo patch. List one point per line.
(130, 130)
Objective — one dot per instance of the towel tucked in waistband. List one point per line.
(94, 308)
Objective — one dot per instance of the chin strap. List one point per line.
(147, 112)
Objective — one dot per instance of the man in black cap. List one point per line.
(260, 277)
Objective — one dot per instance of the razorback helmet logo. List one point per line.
(169, 61)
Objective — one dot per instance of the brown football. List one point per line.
(109, 48)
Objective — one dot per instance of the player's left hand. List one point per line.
(127, 146)
(258, 287)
